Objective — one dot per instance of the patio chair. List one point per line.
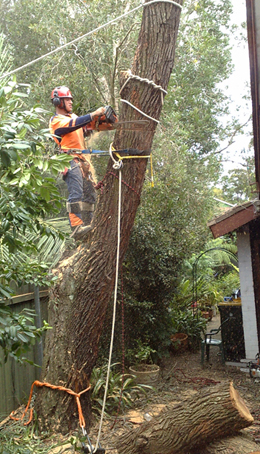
(209, 341)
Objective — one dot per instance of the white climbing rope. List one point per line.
(141, 79)
(147, 81)
(87, 34)
(138, 110)
(118, 166)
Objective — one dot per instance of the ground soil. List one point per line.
(181, 376)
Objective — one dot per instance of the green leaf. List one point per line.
(20, 146)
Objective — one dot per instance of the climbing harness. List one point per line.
(121, 154)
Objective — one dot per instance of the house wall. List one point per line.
(247, 293)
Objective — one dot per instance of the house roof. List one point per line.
(234, 218)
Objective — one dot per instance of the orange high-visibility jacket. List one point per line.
(69, 130)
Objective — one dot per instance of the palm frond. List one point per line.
(48, 247)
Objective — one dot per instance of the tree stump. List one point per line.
(213, 414)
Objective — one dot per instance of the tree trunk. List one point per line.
(240, 444)
(85, 283)
(212, 414)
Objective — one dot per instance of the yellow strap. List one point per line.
(120, 158)
(129, 157)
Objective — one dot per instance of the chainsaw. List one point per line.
(254, 367)
(109, 121)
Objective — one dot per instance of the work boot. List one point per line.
(80, 231)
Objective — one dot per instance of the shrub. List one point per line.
(121, 389)
(191, 324)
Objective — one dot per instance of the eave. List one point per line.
(234, 218)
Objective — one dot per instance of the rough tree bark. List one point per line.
(239, 444)
(209, 415)
(79, 301)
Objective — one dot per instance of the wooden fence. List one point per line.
(16, 379)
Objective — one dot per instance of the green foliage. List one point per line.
(141, 353)
(189, 323)
(170, 225)
(204, 274)
(237, 185)
(27, 192)
(18, 333)
(203, 60)
(121, 390)
(91, 65)
(227, 284)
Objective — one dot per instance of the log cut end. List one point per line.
(240, 405)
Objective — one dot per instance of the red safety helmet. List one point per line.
(58, 93)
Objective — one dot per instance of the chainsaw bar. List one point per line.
(135, 125)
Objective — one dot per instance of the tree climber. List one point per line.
(68, 132)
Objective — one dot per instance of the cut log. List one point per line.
(240, 444)
(213, 414)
